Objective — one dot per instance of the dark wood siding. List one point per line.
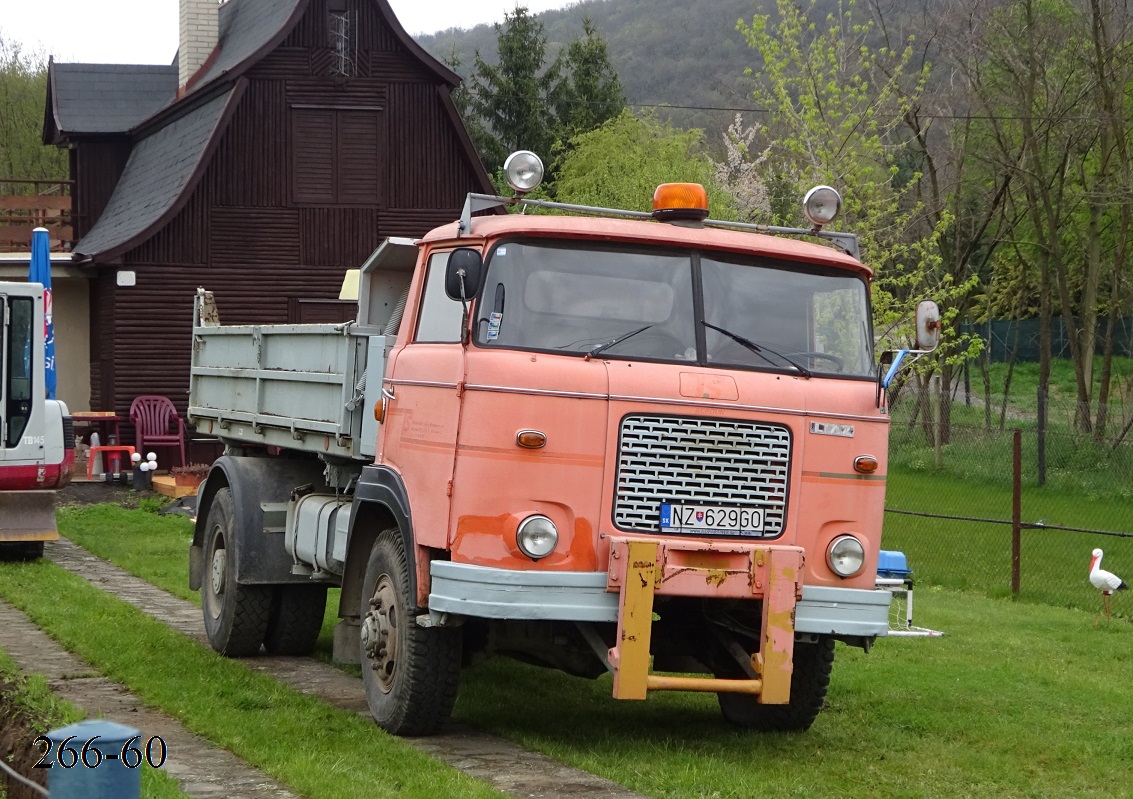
(287, 203)
(96, 167)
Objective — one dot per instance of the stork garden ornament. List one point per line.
(1106, 582)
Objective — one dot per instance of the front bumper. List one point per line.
(641, 569)
(488, 593)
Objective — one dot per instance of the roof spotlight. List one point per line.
(524, 171)
(821, 205)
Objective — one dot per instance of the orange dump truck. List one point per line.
(603, 441)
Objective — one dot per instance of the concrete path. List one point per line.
(506, 766)
(203, 770)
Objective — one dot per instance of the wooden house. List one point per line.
(289, 139)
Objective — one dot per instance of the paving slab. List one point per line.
(506, 766)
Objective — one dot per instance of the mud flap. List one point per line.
(27, 516)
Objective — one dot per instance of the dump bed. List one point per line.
(300, 387)
(294, 386)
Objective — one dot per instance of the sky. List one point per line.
(145, 31)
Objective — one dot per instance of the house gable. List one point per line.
(278, 189)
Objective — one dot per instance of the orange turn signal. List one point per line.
(530, 439)
(680, 201)
(380, 410)
(866, 464)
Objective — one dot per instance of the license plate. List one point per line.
(711, 518)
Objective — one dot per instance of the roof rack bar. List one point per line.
(847, 242)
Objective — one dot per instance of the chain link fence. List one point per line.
(968, 519)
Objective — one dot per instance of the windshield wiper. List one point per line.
(614, 341)
(758, 349)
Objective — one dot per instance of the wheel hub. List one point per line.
(379, 633)
(219, 570)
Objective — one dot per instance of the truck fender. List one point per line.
(380, 502)
(254, 482)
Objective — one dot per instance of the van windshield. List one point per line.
(706, 308)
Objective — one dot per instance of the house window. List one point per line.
(337, 156)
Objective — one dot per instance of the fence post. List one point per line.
(94, 759)
(937, 387)
(1016, 507)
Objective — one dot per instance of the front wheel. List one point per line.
(809, 681)
(410, 673)
(236, 616)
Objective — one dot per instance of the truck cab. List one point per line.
(637, 443)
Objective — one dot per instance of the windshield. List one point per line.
(683, 307)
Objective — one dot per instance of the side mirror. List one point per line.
(927, 340)
(465, 266)
(928, 325)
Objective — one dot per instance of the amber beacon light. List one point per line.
(677, 201)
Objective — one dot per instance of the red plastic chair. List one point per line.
(157, 424)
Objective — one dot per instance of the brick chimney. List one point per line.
(198, 37)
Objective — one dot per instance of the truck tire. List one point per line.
(296, 619)
(410, 673)
(236, 616)
(809, 682)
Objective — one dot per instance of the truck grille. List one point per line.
(706, 461)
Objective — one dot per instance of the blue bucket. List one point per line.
(90, 760)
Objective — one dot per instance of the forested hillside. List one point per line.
(666, 52)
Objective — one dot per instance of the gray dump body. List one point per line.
(301, 387)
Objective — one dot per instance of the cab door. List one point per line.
(426, 376)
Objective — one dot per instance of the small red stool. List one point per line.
(114, 456)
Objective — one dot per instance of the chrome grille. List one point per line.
(706, 461)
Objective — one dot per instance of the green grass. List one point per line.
(150, 546)
(1074, 461)
(156, 549)
(31, 696)
(977, 555)
(321, 752)
(1015, 701)
(1063, 394)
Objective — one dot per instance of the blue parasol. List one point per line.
(39, 271)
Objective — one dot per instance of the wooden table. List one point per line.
(105, 422)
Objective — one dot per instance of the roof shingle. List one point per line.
(109, 98)
(155, 178)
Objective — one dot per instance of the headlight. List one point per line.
(537, 537)
(821, 204)
(845, 556)
(524, 171)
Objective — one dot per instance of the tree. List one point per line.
(842, 103)
(590, 93)
(511, 102)
(739, 172)
(23, 87)
(1052, 84)
(621, 163)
